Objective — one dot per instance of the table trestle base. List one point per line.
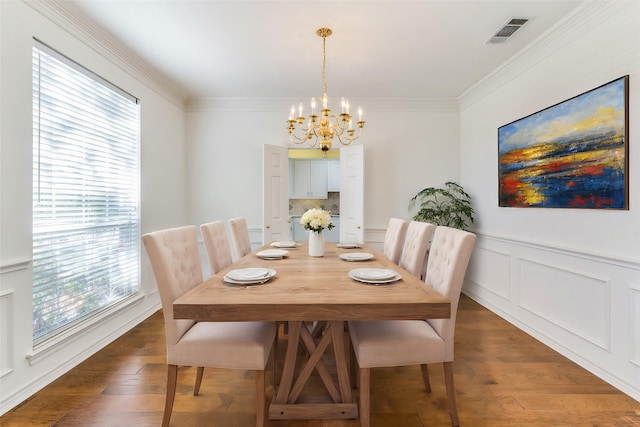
(309, 411)
(284, 405)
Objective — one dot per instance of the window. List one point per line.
(85, 193)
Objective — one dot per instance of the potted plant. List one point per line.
(449, 206)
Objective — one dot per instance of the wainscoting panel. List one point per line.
(6, 326)
(584, 305)
(634, 303)
(495, 279)
(7, 323)
(572, 300)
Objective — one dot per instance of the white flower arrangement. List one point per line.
(316, 219)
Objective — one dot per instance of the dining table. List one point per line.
(315, 296)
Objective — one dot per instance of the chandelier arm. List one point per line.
(295, 138)
(335, 120)
(349, 139)
(314, 143)
(299, 141)
(305, 130)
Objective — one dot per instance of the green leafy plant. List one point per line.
(449, 206)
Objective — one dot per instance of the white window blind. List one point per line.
(85, 193)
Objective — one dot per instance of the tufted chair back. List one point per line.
(217, 245)
(416, 244)
(448, 259)
(394, 239)
(176, 265)
(240, 236)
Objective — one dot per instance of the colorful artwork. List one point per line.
(571, 155)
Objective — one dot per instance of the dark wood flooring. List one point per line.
(504, 378)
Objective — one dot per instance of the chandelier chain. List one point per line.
(324, 65)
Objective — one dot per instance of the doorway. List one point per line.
(334, 182)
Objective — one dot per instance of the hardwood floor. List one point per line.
(504, 378)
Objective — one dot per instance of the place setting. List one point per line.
(285, 245)
(375, 276)
(272, 254)
(348, 245)
(249, 276)
(356, 256)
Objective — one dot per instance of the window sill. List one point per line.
(56, 342)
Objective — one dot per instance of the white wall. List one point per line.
(162, 193)
(570, 277)
(408, 146)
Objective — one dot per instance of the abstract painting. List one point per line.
(570, 155)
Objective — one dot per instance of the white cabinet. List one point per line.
(299, 179)
(318, 183)
(333, 175)
(333, 235)
(299, 232)
(308, 179)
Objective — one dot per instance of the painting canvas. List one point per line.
(571, 155)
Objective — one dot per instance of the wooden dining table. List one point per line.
(316, 296)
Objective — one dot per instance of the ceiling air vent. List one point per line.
(507, 30)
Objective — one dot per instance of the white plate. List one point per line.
(287, 245)
(250, 275)
(272, 254)
(385, 281)
(356, 256)
(347, 245)
(373, 273)
(249, 283)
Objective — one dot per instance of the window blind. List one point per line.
(85, 193)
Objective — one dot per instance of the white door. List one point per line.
(352, 194)
(275, 196)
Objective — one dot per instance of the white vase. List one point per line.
(316, 243)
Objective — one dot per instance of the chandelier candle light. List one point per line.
(320, 130)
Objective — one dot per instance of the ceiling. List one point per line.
(379, 49)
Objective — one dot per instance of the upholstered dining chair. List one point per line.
(376, 343)
(416, 244)
(235, 345)
(217, 245)
(394, 239)
(240, 236)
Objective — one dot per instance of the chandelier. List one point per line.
(319, 130)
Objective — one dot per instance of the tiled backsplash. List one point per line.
(300, 206)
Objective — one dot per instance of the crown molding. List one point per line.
(76, 23)
(580, 21)
(282, 105)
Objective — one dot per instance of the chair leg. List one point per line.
(196, 387)
(260, 399)
(172, 379)
(451, 393)
(425, 377)
(364, 381)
